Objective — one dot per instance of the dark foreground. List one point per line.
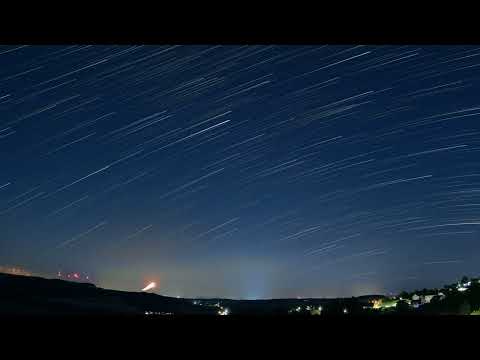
(34, 297)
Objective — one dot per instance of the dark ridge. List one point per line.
(25, 295)
(36, 296)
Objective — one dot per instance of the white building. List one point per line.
(427, 298)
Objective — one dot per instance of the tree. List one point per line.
(404, 295)
(464, 279)
(465, 308)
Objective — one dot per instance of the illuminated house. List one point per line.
(427, 298)
(384, 303)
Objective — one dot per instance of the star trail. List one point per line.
(246, 171)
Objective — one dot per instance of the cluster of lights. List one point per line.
(313, 310)
(377, 303)
(73, 276)
(157, 313)
(197, 302)
(464, 287)
(206, 303)
(14, 271)
(223, 311)
(316, 311)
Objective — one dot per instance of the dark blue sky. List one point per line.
(242, 171)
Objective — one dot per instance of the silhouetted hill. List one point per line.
(24, 295)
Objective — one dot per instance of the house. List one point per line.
(427, 298)
(463, 286)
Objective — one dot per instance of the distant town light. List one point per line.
(223, 311)
(14, 271)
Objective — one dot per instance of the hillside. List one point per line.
(35, 296)
(24, 295)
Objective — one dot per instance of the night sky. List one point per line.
(242, 171)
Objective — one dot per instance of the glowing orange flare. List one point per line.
(149, 286)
